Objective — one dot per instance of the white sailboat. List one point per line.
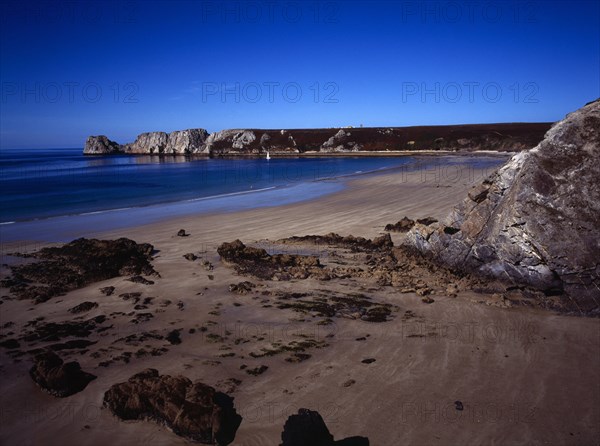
(268, 155)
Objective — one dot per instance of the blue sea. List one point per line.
(52, 194)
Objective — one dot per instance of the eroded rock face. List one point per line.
(190, 409)
(187, 141)
(58, 378)
(100, 145)
(235, 140)
(535, 222)
(151, 142)
(340, 142)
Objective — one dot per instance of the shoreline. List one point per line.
(266, 198)
(365, 200)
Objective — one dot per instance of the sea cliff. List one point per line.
(507, 137)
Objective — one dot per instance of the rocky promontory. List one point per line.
(508, 137)
(175, 143)
(535, 222)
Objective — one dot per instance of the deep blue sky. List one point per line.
(216, 65)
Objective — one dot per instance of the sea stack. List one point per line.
(536, 221)
(100, 145)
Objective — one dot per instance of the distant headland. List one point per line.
(505, 137)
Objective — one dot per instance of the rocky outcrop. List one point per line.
(151, 142)
(535, 221)
(190, 409)
(258, 263)
(76, 264)
(403, 225)
(341, 142)
(100, 145)
(187, 141)
(308, 428)
(355, 244)
(181, 142)
(58, 378)
(235, 142)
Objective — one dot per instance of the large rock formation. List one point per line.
(536, 221)
(192, 410)
(187, 141)
(58, 378)
(181, 142)
(151, 142)
(231, 140)
(464, 138)
(100, 145)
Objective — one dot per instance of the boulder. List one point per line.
(100, 145)
(403, 225)
(191, 410)
(307, 428)
(534, 222)
(58, 378)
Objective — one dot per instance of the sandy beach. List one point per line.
(523, 375)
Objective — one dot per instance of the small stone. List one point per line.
(174, 337)
(83, 307)
(140, 279)
(424, 291)
(427, 221)
(298, 357)
(257, 370)
(107, 290)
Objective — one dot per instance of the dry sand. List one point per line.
(524, 376)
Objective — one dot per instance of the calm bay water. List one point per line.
(61, 187)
